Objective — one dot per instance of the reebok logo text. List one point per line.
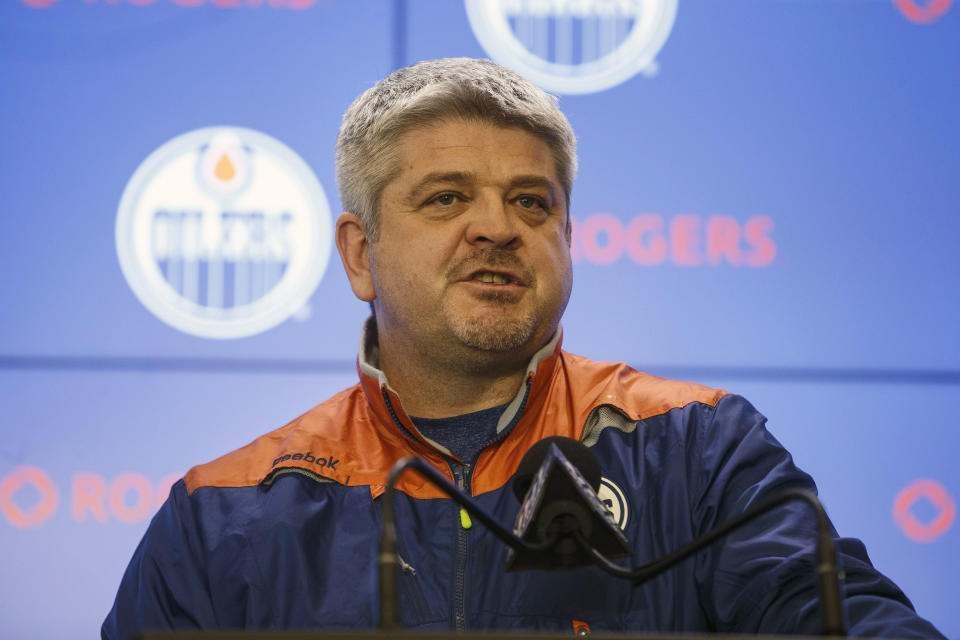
(329, 463)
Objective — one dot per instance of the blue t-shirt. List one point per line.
(465, 435)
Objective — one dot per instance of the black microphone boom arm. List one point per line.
(828, 582)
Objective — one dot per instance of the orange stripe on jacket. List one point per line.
(342, 428)
(358, 441)
(566, 390)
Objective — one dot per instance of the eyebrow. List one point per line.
(438, 177)
(464, 177)
(534, 181)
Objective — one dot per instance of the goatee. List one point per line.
(488, 334)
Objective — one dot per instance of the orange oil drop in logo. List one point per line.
(224, 170)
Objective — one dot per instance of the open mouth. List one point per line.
(493, 277)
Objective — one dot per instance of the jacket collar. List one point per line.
(388, 409)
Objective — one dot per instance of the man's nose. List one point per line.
(492, 223)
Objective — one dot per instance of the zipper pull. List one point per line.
(460, 473)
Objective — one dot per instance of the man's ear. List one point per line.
(354, 248)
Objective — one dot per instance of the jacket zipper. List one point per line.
(462, 473)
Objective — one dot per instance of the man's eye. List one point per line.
(445, 199)
(531, 202)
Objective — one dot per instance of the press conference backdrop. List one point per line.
(768, 202)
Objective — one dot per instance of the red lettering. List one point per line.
(296, 5)
(292, 4)
(45, 507)
(685, 240)
(924, 489)
(608, 225)
(651, 251)
(89, 493)
(689, 240)
(142, 506)
(723, 240)
(757, 231)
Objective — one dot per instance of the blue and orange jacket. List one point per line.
(282, 533)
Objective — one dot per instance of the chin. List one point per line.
(494, 334)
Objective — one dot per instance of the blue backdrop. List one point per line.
(767, 202)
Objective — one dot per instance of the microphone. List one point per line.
(561, 511)
(561, 508)
(561, 517)
(576, 452)
(571, 507)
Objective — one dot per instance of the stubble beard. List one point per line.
(491, 333)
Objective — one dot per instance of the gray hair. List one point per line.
(433, 91)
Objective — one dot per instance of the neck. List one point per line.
(432, 387)
(438, 389)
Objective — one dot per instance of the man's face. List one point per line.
(473, 250)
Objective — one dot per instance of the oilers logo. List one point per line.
(223, 232)
(574, 46)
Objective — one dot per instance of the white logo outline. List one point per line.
(295, 286)
(636, 53)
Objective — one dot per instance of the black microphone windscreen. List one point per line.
(579, 455)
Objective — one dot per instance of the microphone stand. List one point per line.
(828, 582)
(388, 536)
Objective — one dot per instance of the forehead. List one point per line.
(473, 146)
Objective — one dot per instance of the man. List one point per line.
(456, 177)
